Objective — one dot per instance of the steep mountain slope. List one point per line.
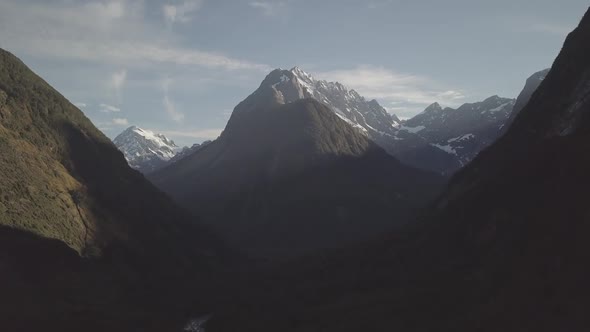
(368, 117)
(531, 85)
(82, 232)
(505, 248)
(461, 133)
(437, 140)
(288, 175)
(145, 150)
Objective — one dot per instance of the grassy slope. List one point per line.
(89, 238)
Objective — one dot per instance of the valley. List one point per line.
(388, 203)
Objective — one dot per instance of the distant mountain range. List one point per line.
(459, 133)
(437, 139)
(287, 167)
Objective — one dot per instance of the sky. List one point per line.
(179, 67)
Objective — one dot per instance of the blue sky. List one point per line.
(179, 67)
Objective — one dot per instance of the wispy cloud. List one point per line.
(392, 88)
(139, 53)
(211, 133)
(113, 32)
(120, 122)
(170, 108)
(529, 23)
(268, 8)
(81, 105)
(117, 81)
(169, 105)
(106, 108)
(181, 12)
(551, 28)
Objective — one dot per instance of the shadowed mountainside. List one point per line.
(287, 176)
(88, 237)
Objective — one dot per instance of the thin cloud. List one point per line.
(139, 53)
(120, 122)
(528, 23)
(169, 105)
(394, 88)
(268, 8)
(112, 32)
(211, 133)
(117, 81)
(106, 108)
(81, 105)
(170, 108)
(552, 29)
(182, 12)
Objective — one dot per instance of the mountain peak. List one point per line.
(434, 107)
(286, 86)
(304, 77)
(276, 76)
(298, 70)
(283, 151)
(492, 98)
(145, 150)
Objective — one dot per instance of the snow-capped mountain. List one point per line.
(285, 156)
(145, 150)
(439, 139)
(460, 133)
(367, 116)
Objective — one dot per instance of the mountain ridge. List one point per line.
(446, 146)
(250, 181)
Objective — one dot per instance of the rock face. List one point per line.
(144, 150)
(289, 175)
(79, 229)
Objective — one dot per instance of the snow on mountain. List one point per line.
(367, 116)
(438, 139)
(461, 133)
(145, 150)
